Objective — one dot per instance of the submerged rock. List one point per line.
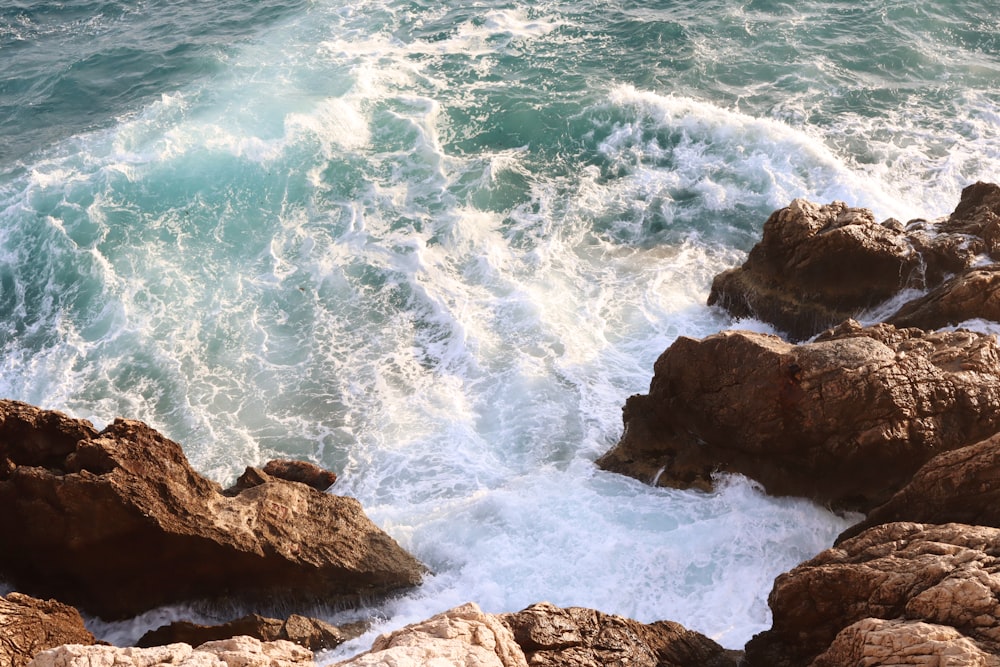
(118, 522)
(311, 633)
(845, 420)
(235, 652)
(29, 626)
(937, 584)
(542, 635)
(816, 266)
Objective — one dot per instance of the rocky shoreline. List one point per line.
(899, 419)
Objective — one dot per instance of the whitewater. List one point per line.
(435, 246)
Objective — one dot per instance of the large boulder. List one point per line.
(845, 420)
(946, 577)
(551, 636)
(542, 635)
(972, 294)
(816, 266)
(118, 522)
(28, 626)
(960, 486)
(235, 652)
(311, 633)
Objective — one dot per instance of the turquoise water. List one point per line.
(434, 246)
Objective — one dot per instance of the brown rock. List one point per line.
(875, 642)
(960, 486)
(816, 266)
(845, 420)
(311, 633)
(119, 523)
(973, 294)
(301, 471)
(235, 652)
(29, 626)
(946, 575)
(551, 636)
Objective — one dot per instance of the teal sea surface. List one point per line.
(433, 246)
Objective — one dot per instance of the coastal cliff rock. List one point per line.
(235, 652)
(311, 633)
(974, 294)
(542, 635)
(816, 266)
(960, 486)
(117, 522)
(551, 636)
(29, 626)
(945, 576)
(845, 420)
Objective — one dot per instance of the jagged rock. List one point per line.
(235, 652)
(875, 642)
(816, 266)
(301, 471)
(29, 626)
(461, 637)
(542, 635)
(946, 575)
(960, 486)
(117, 522)
(973, 294)
(845, 420)
(311, 633)
(551, 636)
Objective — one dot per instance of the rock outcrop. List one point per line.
(117, 522)
(937, 584)
(816, 266)
(29, 626)
(235, 652)
(551, 636)
(311, 633)
(845, 420)
(960, 486)
(542, 635)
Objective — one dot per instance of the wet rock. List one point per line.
(118, 522)
(816, 266)
(960, 486)
(301, 471)
(311, 633)
(845, 420)
(235, 652)
(946, 576)
(29, 626)
(551, 636)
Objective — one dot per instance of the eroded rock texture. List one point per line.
(117, 522)
(816, 266)
(960, 486)
(845, 420)
(945, 576)
(311, 633)
(29, 626)
(235, 652)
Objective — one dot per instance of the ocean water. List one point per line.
(434, 247)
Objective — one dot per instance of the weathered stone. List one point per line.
(816, 266)
(301, 471)
(874, 642)
(960, 486)
(312, 633)
(117, 522)
(29, 626)
(235, 652)
(845, 420)
(946, 575)
(551, 636)
(461, 637)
